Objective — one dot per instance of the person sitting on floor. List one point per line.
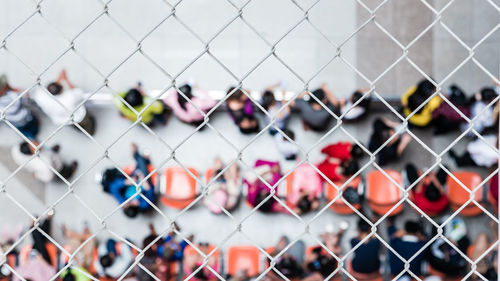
(314, 115)
(155, 111)
(18, 114)
(487, 266)
(113, 259)
(39, 165)
(192, 263)
(123, 189)
(290, 262)
(151, 260)
(189, 111)
(366, 258)
(478, 152)
(354, 110)
(224, 192)
(258, 191)
(443, 257)
(445, 117)
(273, 107)
(341, 160)
(484, 115)
(170, 249)
(36, 268)
(415, 97)
(61, 103)
(406, 243)
(307, 188)
(75, 239)
(428, 194)
(383, 130)
(288, 149)
(320, 262)
(241, 110)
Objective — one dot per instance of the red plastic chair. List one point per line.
(339, 206)
(458, 195)
(178, 187)
(243, 258)
(382, 194)
(154, 177)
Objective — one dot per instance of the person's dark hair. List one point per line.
(249, 130)
(237, 95)
(150, 252)
(131, 211)
(106, 261)
(412, 227)
(424, 90)
(380, 130)
(350, 167)
(69, 276)
(187, 91)
(365, 103)
(363, 226)
(268, 99)
(25, 148)
(200, 275)
(267, 206)
(304, 204)
(134, 97)
(319, 94)
(55, 88)
(488, 94)
(457, 95)
(356, 151)
(289, 133)
(432, 193)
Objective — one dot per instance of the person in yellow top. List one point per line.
(417, 95)
(157, 112)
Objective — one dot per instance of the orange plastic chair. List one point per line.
(178, 188)
(154, 177)
(339, 206)
(382, 194)
(458, 195)
(243, 258)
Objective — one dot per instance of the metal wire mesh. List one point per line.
(239, 15)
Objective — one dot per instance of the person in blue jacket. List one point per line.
(406, 242)
(123, 189)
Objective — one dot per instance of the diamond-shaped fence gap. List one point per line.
(138, 18)
(261, 19)
(376, 54)
(27, 9)
(211, 13)
(37, 32)
(24, 75)
(296, 49)
(330, 25)
(70, 23)
(114, 45)
(155, 79)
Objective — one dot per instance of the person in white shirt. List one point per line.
(287, 148)
(354, 113)
(114, 259)
(39, 166)
(478, 153)
(15, 111)
(61, 103)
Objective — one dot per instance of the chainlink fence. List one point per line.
(38, 10)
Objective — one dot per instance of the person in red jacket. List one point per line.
(428, 193)
(340, 161)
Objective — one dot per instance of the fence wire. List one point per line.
(239, 15)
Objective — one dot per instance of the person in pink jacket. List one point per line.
(189, 112)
